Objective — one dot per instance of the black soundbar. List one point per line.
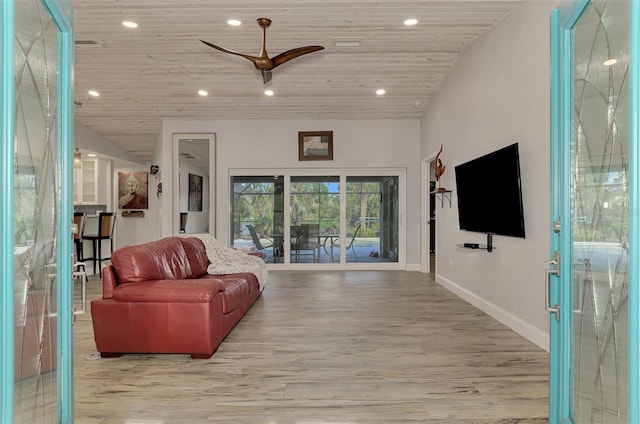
(472, 245)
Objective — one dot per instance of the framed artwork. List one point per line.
(315, 145)
(195, 192)
(133, 190)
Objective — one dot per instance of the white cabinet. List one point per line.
(85, 182)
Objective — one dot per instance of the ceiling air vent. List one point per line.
(347, 41)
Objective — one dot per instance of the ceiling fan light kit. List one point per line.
(263, 62)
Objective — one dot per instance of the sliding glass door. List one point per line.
(327, 220)
(315, 217)
(372, 218)
(257, 217)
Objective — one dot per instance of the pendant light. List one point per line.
(76, 158)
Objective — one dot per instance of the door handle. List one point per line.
(554, 270)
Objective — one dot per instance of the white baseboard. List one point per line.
(526, 330)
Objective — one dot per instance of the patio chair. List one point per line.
(256, 240)
(350, 244)
(305, 237)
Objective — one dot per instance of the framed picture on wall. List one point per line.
(133, 190)
(195, 192)
(315, 145)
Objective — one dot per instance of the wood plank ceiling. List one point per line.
(155, 71)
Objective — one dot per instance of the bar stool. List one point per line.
(79, 219)
(106, 224)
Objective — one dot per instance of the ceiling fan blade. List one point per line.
(293, 53)
(266, 76)
(222, 49)
(263, 63)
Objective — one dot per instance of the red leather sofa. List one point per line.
(158, 298)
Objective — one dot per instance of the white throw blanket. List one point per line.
(225, 260)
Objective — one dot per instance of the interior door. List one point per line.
(35, 211)
(589, 273)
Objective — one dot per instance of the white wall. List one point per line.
(497, 94)
(263, 144)
(87, 139)
(103, 194)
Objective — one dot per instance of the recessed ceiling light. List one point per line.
(130, 24)
(203, 92)
(91, 155)
(410, 22)
(268, 92)
(234, 22)
(380, 91)
(610, 62)
(94, 93)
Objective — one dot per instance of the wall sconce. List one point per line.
(76, 158)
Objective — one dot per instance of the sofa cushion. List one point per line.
(158, 260)
(235, 292)
(196, 255)
(251, 279)
(172, 291)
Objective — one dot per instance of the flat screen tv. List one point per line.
(490, 194)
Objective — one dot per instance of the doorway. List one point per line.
(428, 251)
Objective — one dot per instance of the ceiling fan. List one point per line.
(263, 63)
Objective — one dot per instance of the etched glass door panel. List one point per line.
(600, 213)
(37, 204)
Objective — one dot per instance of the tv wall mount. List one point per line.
(489, 247)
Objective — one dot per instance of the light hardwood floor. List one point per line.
(336, 347)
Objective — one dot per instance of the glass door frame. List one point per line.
(342, 173)
(562, 22)
(61, 12)
(634, 228)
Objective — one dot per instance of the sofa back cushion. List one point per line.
(196, 255)
(158, 260)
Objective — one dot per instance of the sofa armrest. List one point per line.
(259, 254)
(178, 291)
(109, 281)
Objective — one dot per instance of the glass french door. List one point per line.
(592, 279)
(35, 212)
